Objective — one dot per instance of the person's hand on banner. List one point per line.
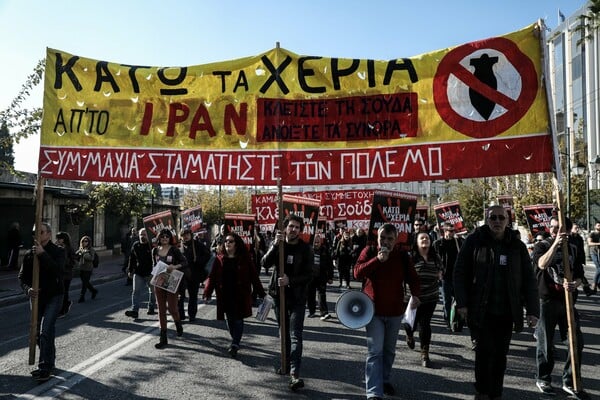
(283, 281)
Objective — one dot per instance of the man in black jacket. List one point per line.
(447, 248)
(493, 280)
(140, 271)
(197, 255)
(298, 261)
(322, 275)
(50, 295)
(548, 258)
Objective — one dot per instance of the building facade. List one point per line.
(574, 77)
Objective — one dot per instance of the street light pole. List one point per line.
(568, 146)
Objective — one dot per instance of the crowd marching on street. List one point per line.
(487, 280)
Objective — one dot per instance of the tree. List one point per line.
(526, 190)
(21, 121)
(589, 22)
(125, 201)
(215, 205)
(7, 158)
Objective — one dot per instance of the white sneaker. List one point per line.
(325, 317)
(545, 388)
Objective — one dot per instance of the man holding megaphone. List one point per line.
(383, 270)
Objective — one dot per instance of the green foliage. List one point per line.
(526, 190)
(124, 201)
(589, 22)
(22, 122)
(471, 197)
(7, 158)
(214, 207)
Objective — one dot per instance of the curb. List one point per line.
(21, 298)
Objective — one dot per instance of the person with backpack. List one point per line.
(87, 260)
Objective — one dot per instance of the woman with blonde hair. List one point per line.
(86, 255)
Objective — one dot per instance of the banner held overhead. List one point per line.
(305, 119)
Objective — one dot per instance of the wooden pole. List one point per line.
(282, 311)
(35, 284)
(568, 295)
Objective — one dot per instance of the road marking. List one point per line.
(68, 379)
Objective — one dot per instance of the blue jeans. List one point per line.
(47, 314)
(139, 282)
(236, 330)
(382, 335)
(447, 297)
(552, 313)
(596, 260)
(294, 325)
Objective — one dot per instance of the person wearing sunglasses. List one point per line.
(234, 278)
(167, 252)
(493, 281)
(297, 274)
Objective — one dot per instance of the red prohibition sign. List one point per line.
(516, 109)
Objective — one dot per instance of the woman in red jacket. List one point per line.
(233, 278)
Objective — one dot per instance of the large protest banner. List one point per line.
(397, 208)
(305, 120)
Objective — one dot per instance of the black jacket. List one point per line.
(52, 265)
(197, 255)
(474, 274)
(298, 259)
(140, 259)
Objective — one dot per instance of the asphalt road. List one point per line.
(102, 354)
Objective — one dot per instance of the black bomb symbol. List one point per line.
(483, 71)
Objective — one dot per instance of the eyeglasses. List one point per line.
(229, 241)
(495, 217)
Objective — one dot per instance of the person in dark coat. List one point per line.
(323, 271)
(49, 294)
(234, 278)
(197, 255)
(14, 242)
(63, 240)
(493, 281)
